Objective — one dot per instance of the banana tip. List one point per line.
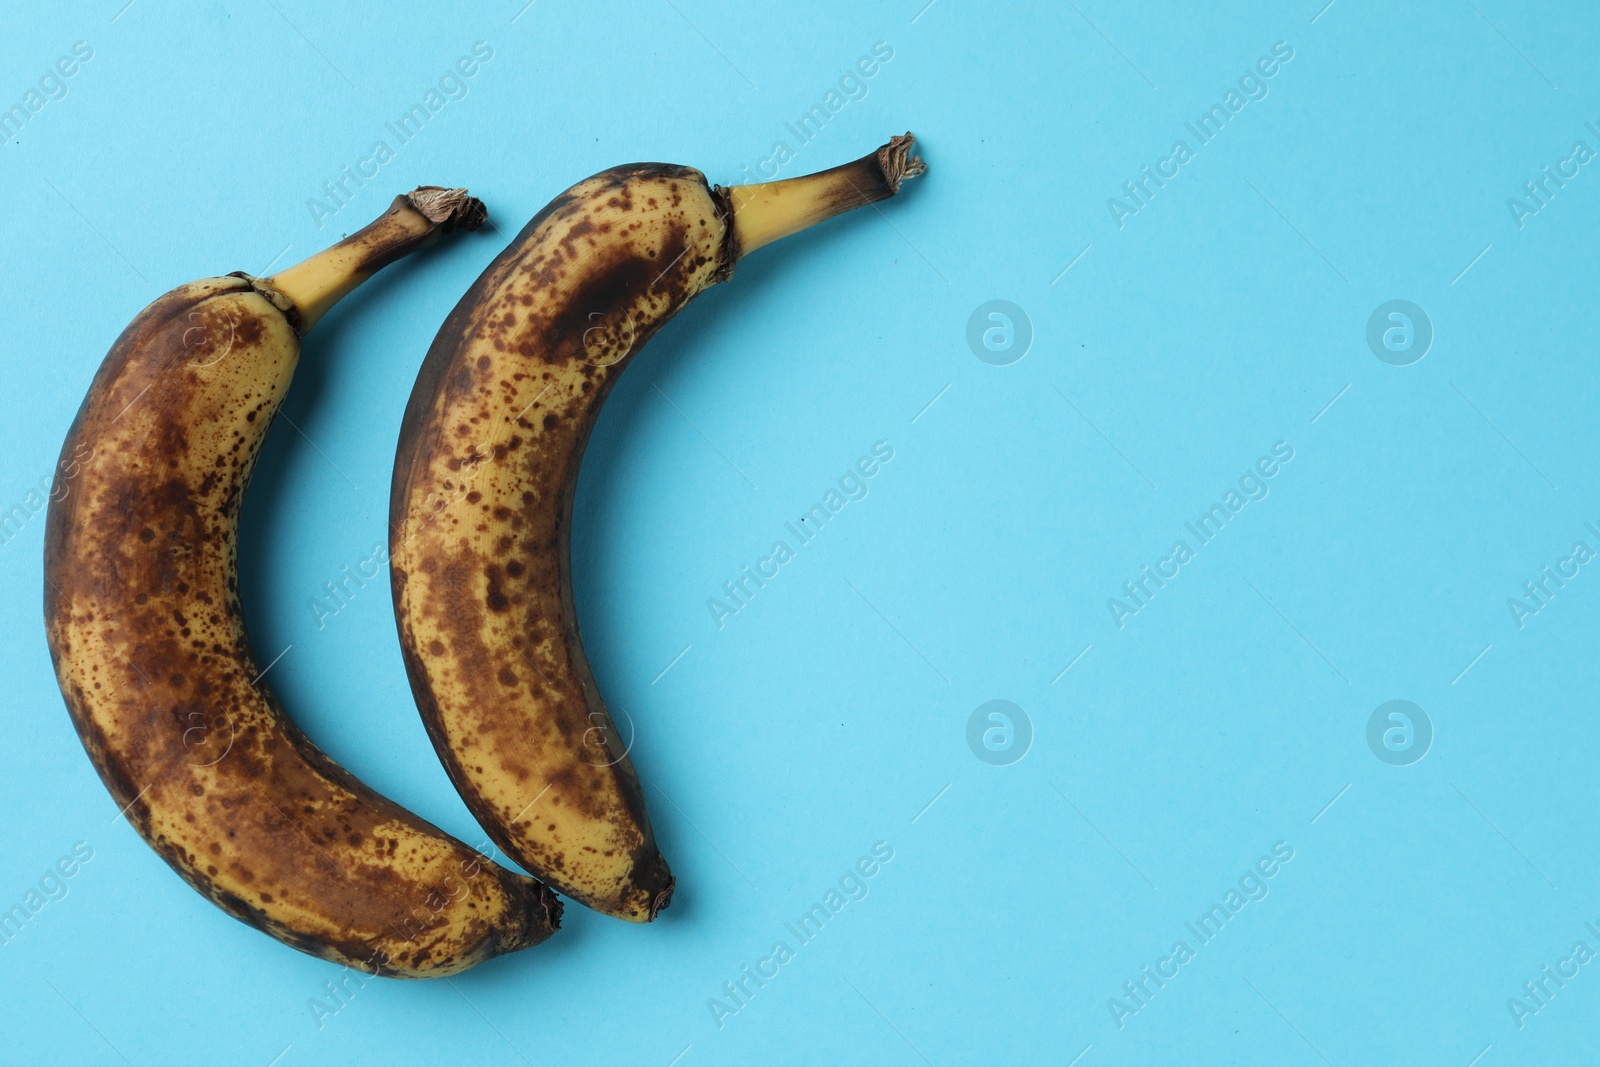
(540, 913)
(898, 163)
(450, 208)
(659, 903)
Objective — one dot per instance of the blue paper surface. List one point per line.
(1205, 671)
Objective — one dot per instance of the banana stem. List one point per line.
(316, 284)
(763, 213)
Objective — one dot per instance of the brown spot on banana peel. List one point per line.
(480, 532)
(147, 636)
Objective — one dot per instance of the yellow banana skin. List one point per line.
(145, 627)
(481, 506)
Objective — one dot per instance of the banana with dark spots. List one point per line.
(144, 624)
(481, 506)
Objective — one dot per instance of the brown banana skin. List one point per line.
(481, 504)
(147, 634)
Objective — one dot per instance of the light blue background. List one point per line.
(1225, 717)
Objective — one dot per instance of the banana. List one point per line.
(145, 627)
(481, 504)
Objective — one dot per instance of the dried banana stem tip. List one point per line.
(898, 163)
(450, 208)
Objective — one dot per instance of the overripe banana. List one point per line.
(481, 505)
(144, 623)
